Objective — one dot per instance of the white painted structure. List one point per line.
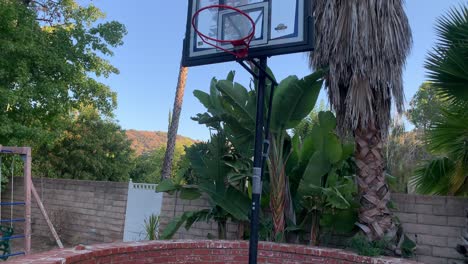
(143, 201)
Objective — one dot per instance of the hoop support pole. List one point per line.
(258, 164)
(27, 200)
(262, 143)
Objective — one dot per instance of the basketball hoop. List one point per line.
(240, 46)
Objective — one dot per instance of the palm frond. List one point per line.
(459, 178)
(448, 137)
(447, 64)
(450, 133)
(432, 177)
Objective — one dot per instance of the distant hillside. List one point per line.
(147, 141)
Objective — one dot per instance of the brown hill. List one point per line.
(147, 141)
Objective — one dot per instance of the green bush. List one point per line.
(362, 246)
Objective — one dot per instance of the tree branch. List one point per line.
(44, 19)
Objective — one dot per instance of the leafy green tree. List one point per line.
(49, 57)
(90, 149)
(426, 107)
(148, 166)
(447, 139)
(404, 151)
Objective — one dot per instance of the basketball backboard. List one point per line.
(281, 27)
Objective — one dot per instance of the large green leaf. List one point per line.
(316, 140)
(317, 167)
(335, 199)
(332, 148)
(188, 218)
(340, 221)
(327, 120)
(231, 76)
(294, 99)
(204, 98)
(232, 201)
(348, 150)
(166, 186)
(189, 193)
(238, 96)
(216, 100)
(240, 132)
(171, 228)
(310, 145)
(198, 216)
(208, 120)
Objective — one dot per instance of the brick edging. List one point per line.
(189, 251)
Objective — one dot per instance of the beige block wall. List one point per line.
(85, 212)
(173, 207)
(435, 223)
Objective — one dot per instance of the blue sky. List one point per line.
(149, 61)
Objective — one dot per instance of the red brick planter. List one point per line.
(197, 252)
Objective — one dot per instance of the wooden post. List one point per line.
(46, 217)
(27, 199)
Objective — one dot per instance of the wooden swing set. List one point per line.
(6, 225)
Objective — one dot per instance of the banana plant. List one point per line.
(293, 100)
(211, 169)
(234, 105)
(321, 179)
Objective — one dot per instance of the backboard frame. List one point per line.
(307, 43)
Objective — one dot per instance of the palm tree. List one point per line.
(364, 44)
(174, 123)
(447, 138)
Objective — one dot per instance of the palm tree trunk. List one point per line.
(375, 219)
(222, 230)
(174, 124)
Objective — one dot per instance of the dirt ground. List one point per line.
(38, 244)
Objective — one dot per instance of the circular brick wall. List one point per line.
(196, 252)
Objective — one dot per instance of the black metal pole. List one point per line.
(257, 170)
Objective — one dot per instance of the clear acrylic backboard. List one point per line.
(281, 27)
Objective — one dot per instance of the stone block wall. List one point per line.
(85, 212)
(173, 206)
(435, 223)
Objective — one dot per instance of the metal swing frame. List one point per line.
(25, 153)
(29, 190)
